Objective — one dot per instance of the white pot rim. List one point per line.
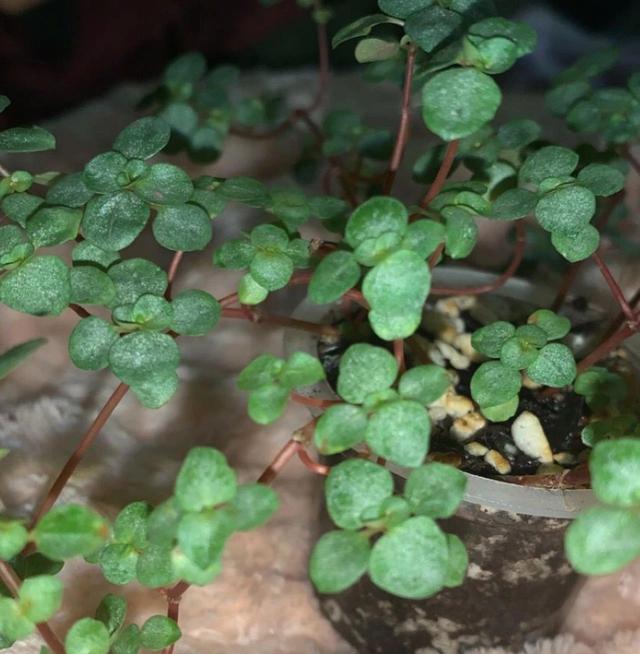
(491, 494)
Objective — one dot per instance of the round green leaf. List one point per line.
(268, 403)
(338, 560)
(195, 312)
(601, 388)
(235, 254)
(50, 226)
(411, 560)
(39, 286)
(263, 370)
(566, 210)
(301, 369)
(396, 289)
(375, 49)
(118, 562)
(602, 540)
(136, 277)
(601, 179)
(250, 292)
(518, 133)
(457, 102)
(399, 431)
(136, 356)
(337, 273)
(164, 184)
(501, 412)
(90, 285)
(143, 138)
(365, 369)
(615, 468)
(114, 221)
(402, 8)
(435, 489)
(360, 27)
(245, 190)
(26, 139)
(494, 384)
(184, 227)
(252, 506)
(90, 342)
(423, 237)
(549, 161)
(68, 531)
(112, 612)
(104, 173)
(551, 323)
(458, 562)
(490, 338)
(13, 537)
(69, 191)
(375, 217)
(353, 487)
(272, 270)
(430, 26)
(577, 246)
(204, 480)
(87, 636)
(374, 250)
(19, 206)
(87, 252)
(159, 632)
(555, 366)
(202, 536)
(461, 233)
(517, 353)
(340, 427)
(13, 624)
(155, 568)
(513, 204)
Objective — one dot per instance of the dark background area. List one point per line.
(55, 54)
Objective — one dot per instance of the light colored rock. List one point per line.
(529, 436)
(466, 426)
(456, 358)
(453, 405)
(476, 449)
(495, 459)
(564, 458)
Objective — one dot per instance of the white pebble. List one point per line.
(463, 343)
(564, 458)
(529, 436)
(495, 459)
(466, 426)
(458, 360)
(453, 404)
(476, 449)
(529, 383)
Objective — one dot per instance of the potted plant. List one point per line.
(445, 395)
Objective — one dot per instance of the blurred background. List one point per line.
(56, 54)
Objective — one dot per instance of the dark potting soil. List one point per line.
(490, 451)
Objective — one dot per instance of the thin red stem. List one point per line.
(279, 462)
(614, 287)
(171, 273)
(313, 402)
(398, 352)
(443, 173)
(607, 346)
(516, 260)
(78, 454)
(282, 321)
(80, 311)
(314, 466)
(323, 63)
(405, 121)
(619, 321)
(11, 580)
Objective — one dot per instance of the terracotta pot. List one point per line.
(519, 580)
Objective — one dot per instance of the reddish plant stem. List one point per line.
(313, 402)
(398, 352)
(356, 296)
(314, 466)
(516, 260)
(171, 273)
(81, 311)
(619, 321)
(174, 597)
(614, 287)
(405, 122)
(282, 321)
(279, 462)
(435, 257)
(607, 346)
(443, 173)
(11, 580)
(78, 454)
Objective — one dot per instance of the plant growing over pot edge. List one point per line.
(378, 255)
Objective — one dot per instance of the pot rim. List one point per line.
(491, 494)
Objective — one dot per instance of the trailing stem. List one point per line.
(443, 173)
(405, 122)
(514, 264)
(615, 289)
(11, 580)
(282, 321)
(607, 346)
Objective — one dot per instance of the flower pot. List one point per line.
(518, 581)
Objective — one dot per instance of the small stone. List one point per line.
(464, 427)
(549, 469)
(529, 383)
(436, 356)
(453, 404)
(511, 449)
(495, 459)
(458, 360)
(463, 343)
(449, 307)
(564, 458)
(529, 436)
(476, 449)
(437, 413)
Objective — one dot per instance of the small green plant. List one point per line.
(379, 258)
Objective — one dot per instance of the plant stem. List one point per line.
(85, 443)
(614, 287)
(309, 463)
(171, 273)
(443, 173)
(405, 121)
(607, 346)
(282, 321)
(174, 597)
(280, 460)
(620, 318)
(516, 260)
(312, 402)
(11, 580)
(323, 62)
(398, 352)
(81, 311)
